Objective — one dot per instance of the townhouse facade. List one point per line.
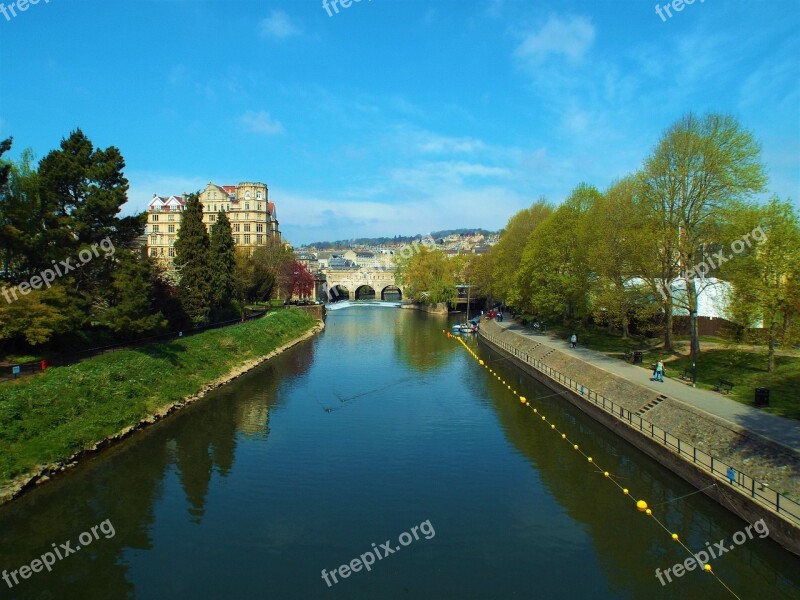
(252, 215)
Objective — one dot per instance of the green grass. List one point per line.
(46, 418)
(599, 339)
(747, 370)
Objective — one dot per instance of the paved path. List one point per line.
(778, 429)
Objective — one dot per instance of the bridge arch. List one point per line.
(365, 292)
(392, 292)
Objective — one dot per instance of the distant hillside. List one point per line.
(396, 240)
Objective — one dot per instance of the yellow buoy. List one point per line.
(522, 398)
(552, 426)
(481, 362)
(536, 410)
(641, 505)
(543, 418)
(589, 459)
(575, 446)
(649, 512)
(675, 536)
(563, 436)
(625, 491)
(606, 474)
(707, 568)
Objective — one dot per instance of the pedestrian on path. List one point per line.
(659, 372)
(731, 473)
(573, 341)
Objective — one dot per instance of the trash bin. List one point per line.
(638, 355)
(44, 364)
(762, 397)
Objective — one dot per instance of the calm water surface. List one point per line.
(378, 425)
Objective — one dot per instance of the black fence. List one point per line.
(778, 502)
(13, 371)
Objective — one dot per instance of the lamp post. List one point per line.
(694, 348)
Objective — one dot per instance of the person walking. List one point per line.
(573, 341)
(660, 371)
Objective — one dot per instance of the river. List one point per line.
(379, 425)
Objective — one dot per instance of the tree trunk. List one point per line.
(668, 328)
(625, 328)
(771, 353)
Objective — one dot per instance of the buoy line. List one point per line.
(640, 504)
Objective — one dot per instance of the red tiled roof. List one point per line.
(231, 189)
(272, 208)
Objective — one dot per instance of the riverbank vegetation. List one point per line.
(47, 418)
(640, 253)
(73, 274)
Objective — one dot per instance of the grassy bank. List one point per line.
(49, 417)
(747, 370)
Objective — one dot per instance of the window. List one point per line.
(227, 208)
(246, 216)
(260, 227)
(247, 227)
(170, 217)
(170, 228)
(260, 239)
(259, 206)
(236, 240)
(258, 196)
(236, 227)
(153, 252)
(154, 219)
(247, 195)
(247, 205)
(247, 239)
(155, 228)
(172, 251)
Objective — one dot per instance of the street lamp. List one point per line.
(694, 348)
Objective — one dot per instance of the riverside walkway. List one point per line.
(780, 430)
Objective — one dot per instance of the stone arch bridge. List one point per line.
(355, 284)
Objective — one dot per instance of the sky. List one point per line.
(395, 117)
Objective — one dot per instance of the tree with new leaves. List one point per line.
(700, 167)
(507, 254)
(427, 277)
(766, 275)
(552, 277)
(223, 263)
(192, 261)
(612, 233)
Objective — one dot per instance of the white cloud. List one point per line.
(278, 26)
(430, 143)
(570, 37)
(260, 122)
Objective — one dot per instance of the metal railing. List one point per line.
(780, 503)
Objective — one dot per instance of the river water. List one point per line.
(379, 425)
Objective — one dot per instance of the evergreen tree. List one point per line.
(192, 262)
(223, 263)
(132, 311)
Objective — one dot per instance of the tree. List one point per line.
(427, 277)
(553, 275)
(295, 279)
(699, 168)
(613, 233)
(132, 311)
(223, 263)
(766, 275)
(507, 254)
(192, 262)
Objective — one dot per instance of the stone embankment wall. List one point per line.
(727, 442)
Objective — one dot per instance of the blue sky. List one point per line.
(395, 116)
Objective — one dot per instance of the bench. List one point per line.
(724, 386)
